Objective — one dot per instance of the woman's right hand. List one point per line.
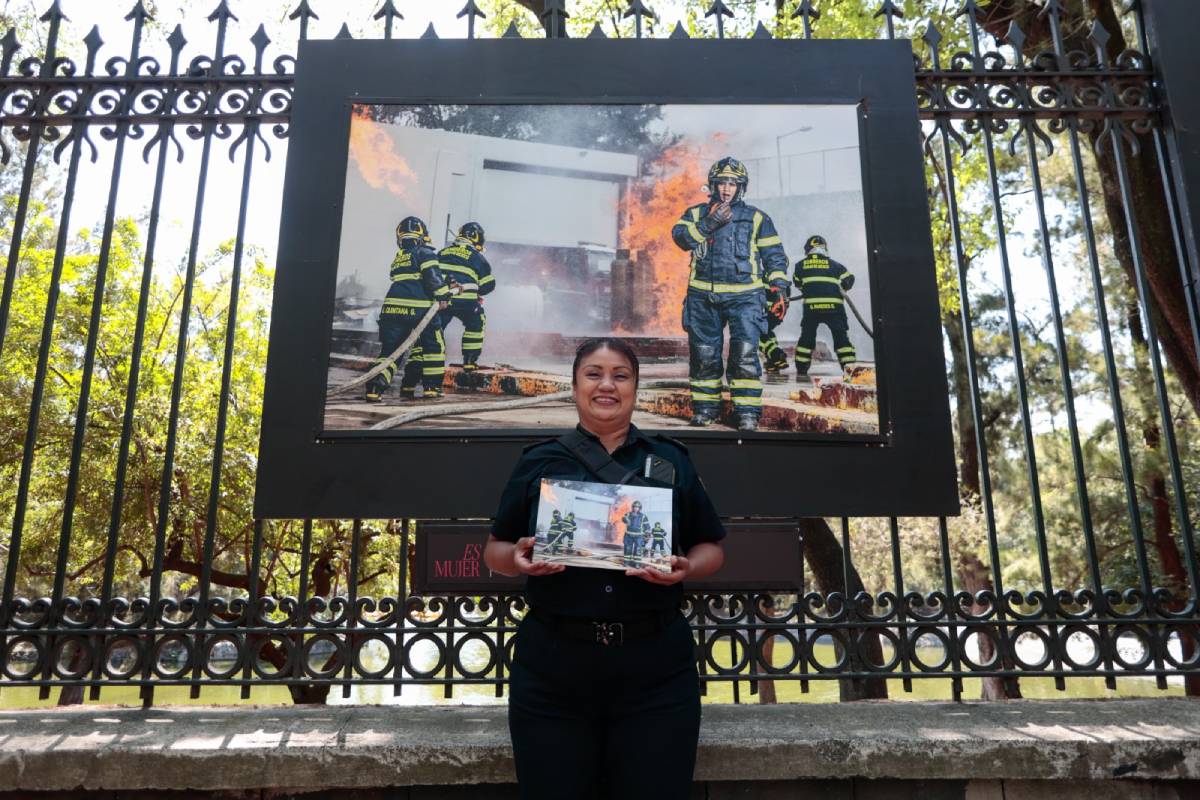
(523, 560)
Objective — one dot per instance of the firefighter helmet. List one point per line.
(571, 515)
(814, 243)
(637, 506)
(412, 229)
(729, 169)
(556, 513)
(473, 233)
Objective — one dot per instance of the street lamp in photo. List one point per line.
(779, 151)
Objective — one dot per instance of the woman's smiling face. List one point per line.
(605, 389)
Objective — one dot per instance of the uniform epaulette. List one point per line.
(538, 443)
(662, 437)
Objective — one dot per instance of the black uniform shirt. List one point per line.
(605, 594)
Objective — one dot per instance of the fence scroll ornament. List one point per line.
(1026, 101)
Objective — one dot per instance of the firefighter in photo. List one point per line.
(737, 257)
(823, 283)
(463, 263)
(659, 536)
(774, 357)
(554, 530)
(636, 526)
(417, 284)
(568, 532)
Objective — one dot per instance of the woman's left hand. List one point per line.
(680, 567)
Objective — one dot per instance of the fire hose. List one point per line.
(503, 405)
(854, 308)
(402, 350)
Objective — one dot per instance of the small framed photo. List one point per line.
(603, 525)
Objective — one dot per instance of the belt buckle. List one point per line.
(607, 633)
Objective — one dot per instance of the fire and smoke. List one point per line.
(618, 510)
(548, 494)
(374, 153)
(651, 208)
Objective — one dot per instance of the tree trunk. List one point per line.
(973, 576)
(823, 554)
(766, 688)
(1169, 557)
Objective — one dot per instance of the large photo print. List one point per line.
(480, 244)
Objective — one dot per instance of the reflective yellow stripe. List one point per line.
(470, 335)
(474, 276)
(849, 349)
(776, 276)
(706, 398)
(691, 228)
(819, 279)
(724, 288)
(405, 276)
(800, 349)
(758, 219)
(770, 240)
(430, 264)
(747, 401)
(819, 301)
(406, 303)
(745, 383)
(487, 279)
(715, 383)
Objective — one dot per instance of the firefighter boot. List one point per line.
(747, 421)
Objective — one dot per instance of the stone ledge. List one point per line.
(241, 748)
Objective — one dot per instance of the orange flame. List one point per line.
(548, 494)
(374, 153)
(651, 209)
(618, 510)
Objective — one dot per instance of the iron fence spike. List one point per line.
(139, 12)
(388, 9)
(597, 32)
(260, 40)
(54, 13)
(222, 12)
(511, 31)
(344, 32)
(805, 9)
(94, 41)
(1050, 7)
(1016, 37)
(678, 32)
(890, 9)
(472, 9)
(932, 36)
(9, 45)
(1099, 37)
(177, 40)
(304, 10)
(430, 33)
(718, 7)
(761, 32)
(638, 8)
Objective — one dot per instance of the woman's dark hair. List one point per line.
(621, 346)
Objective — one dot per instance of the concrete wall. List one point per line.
(1026, 750)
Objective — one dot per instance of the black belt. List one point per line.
(607, 632)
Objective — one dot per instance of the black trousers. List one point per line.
(590, 721)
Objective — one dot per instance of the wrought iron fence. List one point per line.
(225, 600)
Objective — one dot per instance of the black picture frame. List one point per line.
(907, 470)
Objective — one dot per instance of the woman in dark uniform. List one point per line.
(604, 699)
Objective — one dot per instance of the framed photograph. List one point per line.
(603, 525)
(450, 238)
(581, 218)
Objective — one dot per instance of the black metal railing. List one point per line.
(129, 364)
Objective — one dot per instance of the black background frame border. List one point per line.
(908, 470)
